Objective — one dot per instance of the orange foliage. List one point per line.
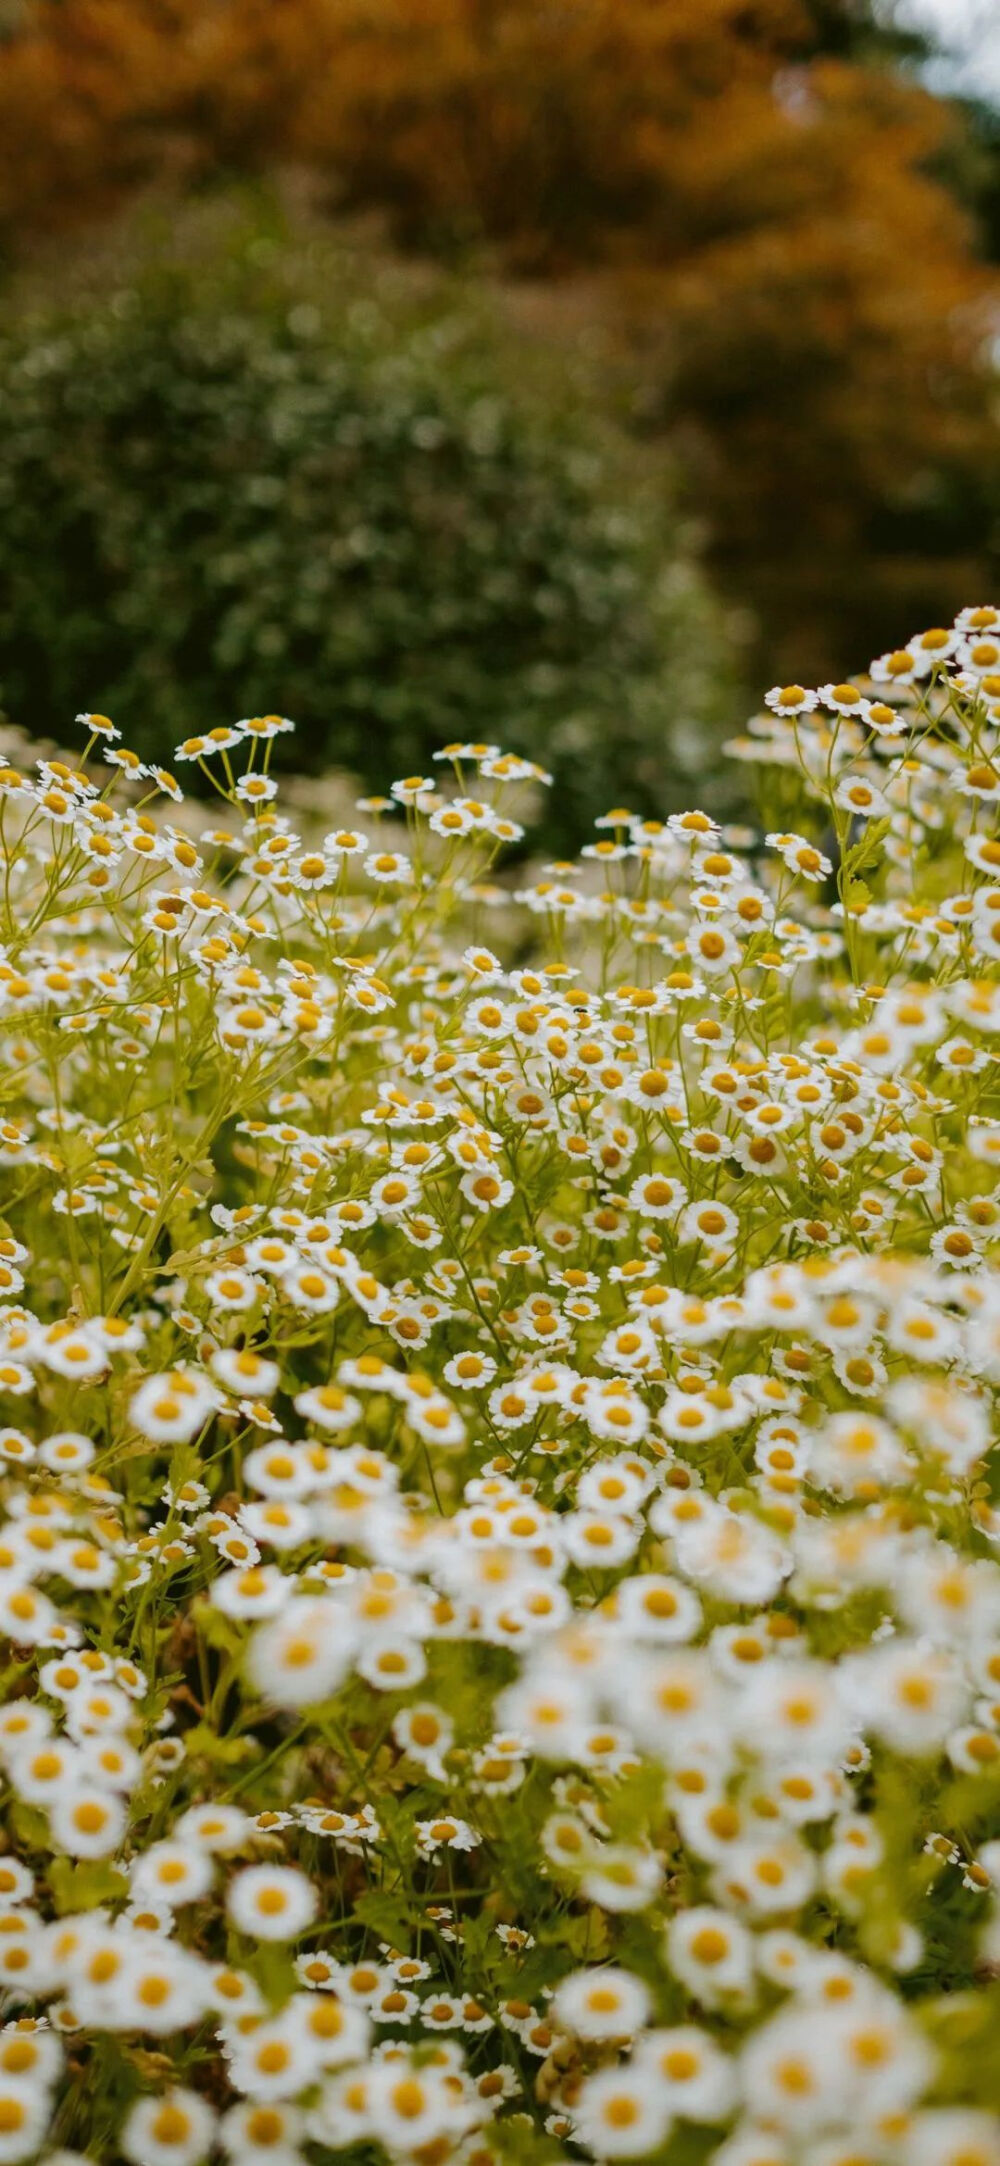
(583, 131)
(803, 293)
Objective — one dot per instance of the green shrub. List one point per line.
(218, 500)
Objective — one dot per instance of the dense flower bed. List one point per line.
(499, 1545)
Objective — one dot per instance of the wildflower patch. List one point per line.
(498, 1560)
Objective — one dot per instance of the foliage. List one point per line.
(216, 497)
(770, 202)
(499, 1493)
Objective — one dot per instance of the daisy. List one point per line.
(698, 2080)
(270, 2059)
(173, 1407)
(271, 1902)
(262, 2133)
(711, 1954)
(621, 2113)
(25, 2113)
(907, 1692)
(410, 2108)
(604, 2004)
(301, 1656)
(171, 1873)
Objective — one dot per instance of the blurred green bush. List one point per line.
(218, 499)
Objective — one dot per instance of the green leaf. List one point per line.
(86, 1884)
(204, 1742)
(385, 1914)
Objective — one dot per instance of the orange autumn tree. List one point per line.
(567, 134)
(801, 290)
(753, 190)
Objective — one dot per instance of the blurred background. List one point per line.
(552, 371)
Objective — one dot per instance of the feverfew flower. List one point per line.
(271, 1902)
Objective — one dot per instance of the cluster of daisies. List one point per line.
(499, 1531)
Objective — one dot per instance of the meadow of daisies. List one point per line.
(499, 1550)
